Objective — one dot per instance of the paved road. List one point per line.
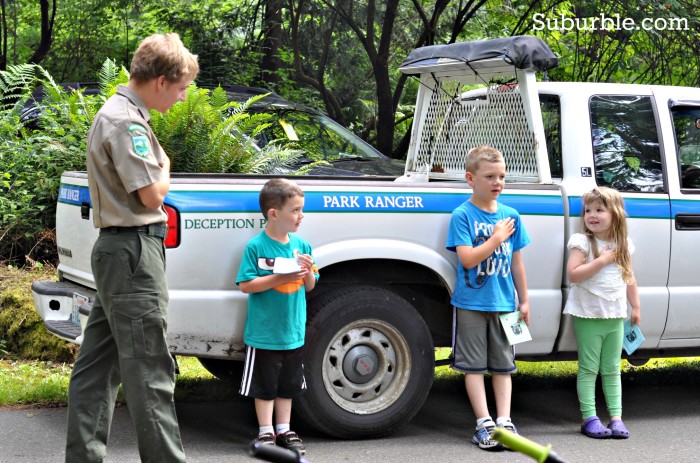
(220, 431)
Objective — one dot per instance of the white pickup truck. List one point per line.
(382, 303)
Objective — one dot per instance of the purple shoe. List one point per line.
(618, 430)
(593, 428)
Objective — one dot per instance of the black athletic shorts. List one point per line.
(269, 374)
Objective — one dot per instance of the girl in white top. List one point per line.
(602, 282)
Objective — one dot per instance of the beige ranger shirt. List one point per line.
(122, 157)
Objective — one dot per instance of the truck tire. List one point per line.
(638, 362)
(369, 362)
(230, 371)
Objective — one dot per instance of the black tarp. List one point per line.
(522, 51)
(673, 104)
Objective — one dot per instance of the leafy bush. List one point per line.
(31, 163)
(205, 134)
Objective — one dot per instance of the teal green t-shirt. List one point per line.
(277, 317)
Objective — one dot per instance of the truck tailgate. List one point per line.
(75, 232)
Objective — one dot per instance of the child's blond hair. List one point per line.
(482, 153)
(612, 200)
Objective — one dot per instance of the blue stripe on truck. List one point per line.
(196, 201)
(356, 201)
(73, 194)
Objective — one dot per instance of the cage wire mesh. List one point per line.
(455, 123)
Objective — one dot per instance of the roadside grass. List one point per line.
(551, 375)
(33, 382)
(45, 384)
(529, 375)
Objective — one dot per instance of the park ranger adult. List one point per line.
(125, 336)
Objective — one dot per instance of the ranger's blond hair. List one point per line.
(163, 55)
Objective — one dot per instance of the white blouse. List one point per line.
(604, 295)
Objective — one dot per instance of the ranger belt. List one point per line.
(154, 229)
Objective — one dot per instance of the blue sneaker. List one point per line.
(483, 437)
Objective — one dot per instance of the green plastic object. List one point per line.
(541, 453)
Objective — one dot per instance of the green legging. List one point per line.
(599, 350)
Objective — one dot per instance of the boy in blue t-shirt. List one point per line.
(487, 237)
(275, 326)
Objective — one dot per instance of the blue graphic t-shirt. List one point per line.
(488, 287)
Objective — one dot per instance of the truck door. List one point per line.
(683, 325)
(624, 139)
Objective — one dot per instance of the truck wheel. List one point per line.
(369, 362)
(638, 362)
(230, 371)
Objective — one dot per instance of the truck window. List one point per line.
(551, 119)
(626, 143)
(686, 122)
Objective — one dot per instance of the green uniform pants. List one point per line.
(599, 351)
(124, 342)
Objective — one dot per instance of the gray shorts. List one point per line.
(479, 343)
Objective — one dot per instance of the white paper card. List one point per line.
(286, 265)
(516, 331)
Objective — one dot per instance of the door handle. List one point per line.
(687, 221)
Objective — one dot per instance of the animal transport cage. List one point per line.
(475, 93)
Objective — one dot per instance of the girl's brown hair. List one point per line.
(612, 200)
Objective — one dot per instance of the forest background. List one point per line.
(341, 56)
(337, 56)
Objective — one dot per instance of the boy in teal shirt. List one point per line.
(276, 322)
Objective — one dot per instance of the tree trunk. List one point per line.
(385, 97)
(3, 37)
(273, 38)
(46, 32)
(385, 113)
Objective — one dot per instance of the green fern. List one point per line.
(273, 159)
(110, 76)
(206, 133)
(219, 99)
(16, 81)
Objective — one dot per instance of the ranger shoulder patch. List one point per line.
(142, 147)
(139, 139)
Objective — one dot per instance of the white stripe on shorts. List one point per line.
(247, 370)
